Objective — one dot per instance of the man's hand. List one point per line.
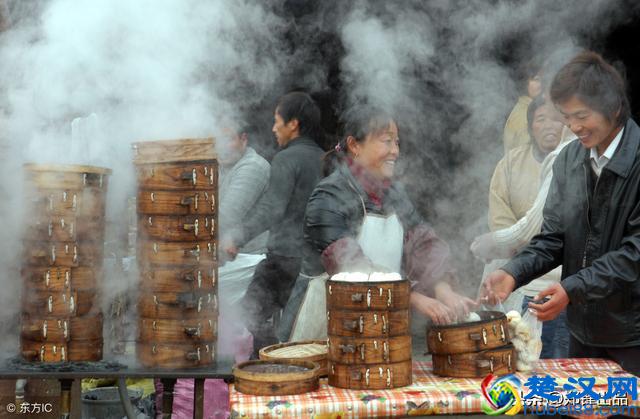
(439, 313)
(458, 304)
(496, 287)
(484, 248)
(558, 300)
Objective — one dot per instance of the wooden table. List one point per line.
(428, 395)
(67, 375)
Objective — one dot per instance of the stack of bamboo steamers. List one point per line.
(473, 349)
(369, 336)
(177, 246)
(62, 262)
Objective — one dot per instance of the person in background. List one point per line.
(516, 131)
(516, 179)
(591, 220)
(514, 187)
(295, 171)
(5, 21)
(243, 179)
(359, 220)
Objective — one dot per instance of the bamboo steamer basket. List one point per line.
(492, 331)
(176, 202)
(178, 306)
(276, 377)
(64, 201)
(61, 278)
(158, 253)
(369, 337)
(66, 229)
(370, 350)
(176, 355)
(198, 176)
(44, 329)
(367, 324)
(72, 351)
(177, 228)
(58, 304)
(72, 254)
(63, 176)
(370, 377)
(498, 361)
(201, 277)
(170, 151)
(388, 295)
(177, 330)
(306, 350)
(62, 262)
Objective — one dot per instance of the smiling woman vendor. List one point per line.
(359, 219)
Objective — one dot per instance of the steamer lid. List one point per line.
(366, 277)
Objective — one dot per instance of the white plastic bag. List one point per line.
(526, 337)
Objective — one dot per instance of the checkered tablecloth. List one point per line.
(428, 395)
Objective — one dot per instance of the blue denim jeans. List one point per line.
(555, 335)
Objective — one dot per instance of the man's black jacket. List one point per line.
(592, 227)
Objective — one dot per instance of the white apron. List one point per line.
(381, 239)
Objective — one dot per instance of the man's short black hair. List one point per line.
(594, 82)
(300, 106)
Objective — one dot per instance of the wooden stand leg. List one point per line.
(167, 396)
(65, 398)
(198, 398)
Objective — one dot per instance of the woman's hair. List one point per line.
(535, 104)
(358, 123)
(594, 82)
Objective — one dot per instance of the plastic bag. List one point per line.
(526, 337)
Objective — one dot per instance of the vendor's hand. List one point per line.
(484, 248)
(439, 313)
(558, 300)
(496, 287)
(229, 250)
(457, 303)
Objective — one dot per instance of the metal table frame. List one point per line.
(221, 370)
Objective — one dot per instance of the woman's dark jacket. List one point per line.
(333, 219)
(592, 228)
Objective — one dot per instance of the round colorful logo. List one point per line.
(501, 395)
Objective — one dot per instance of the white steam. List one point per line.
(81, 81)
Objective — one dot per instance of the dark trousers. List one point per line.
(267, 294)
(628, 358)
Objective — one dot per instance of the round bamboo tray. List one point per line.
(306, 350)
(276, 377)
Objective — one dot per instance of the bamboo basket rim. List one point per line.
(268, 377)
(500, 316)
(155, 152)
(72, 168)
(368, 283)
(265, 353)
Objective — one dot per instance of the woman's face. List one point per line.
(546, 128)
(534, 86)
(379, 151)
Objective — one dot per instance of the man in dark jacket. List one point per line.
(591, 220)
(295, 171)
